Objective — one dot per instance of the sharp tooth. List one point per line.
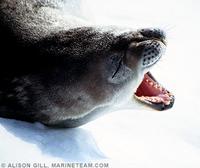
(160, 88)
(158, 99)
(167, 102)
(151, 83)
(148, 98)
(156, 86)
(170, 94)
(141, 98)
(164, 91)
(155, 99)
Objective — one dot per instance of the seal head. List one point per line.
(66, 75)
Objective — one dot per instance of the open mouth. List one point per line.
(151, 93)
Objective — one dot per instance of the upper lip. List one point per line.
(161, 40)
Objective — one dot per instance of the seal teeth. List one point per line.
(156, 86)
(156, 100)
(151, 83)
(152, 93)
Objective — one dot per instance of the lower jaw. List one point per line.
(152, 94)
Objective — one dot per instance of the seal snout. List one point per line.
(153, 34)
(146, 49)
(154, 46)
(152, 53)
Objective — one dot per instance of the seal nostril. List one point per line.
(153, 33)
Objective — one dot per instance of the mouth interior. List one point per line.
(153, 94)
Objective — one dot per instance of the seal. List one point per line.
(61, 71)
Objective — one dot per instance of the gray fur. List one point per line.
(62, 70)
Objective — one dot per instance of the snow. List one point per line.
(130, 138)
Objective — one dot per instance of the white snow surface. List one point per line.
(139, 137)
